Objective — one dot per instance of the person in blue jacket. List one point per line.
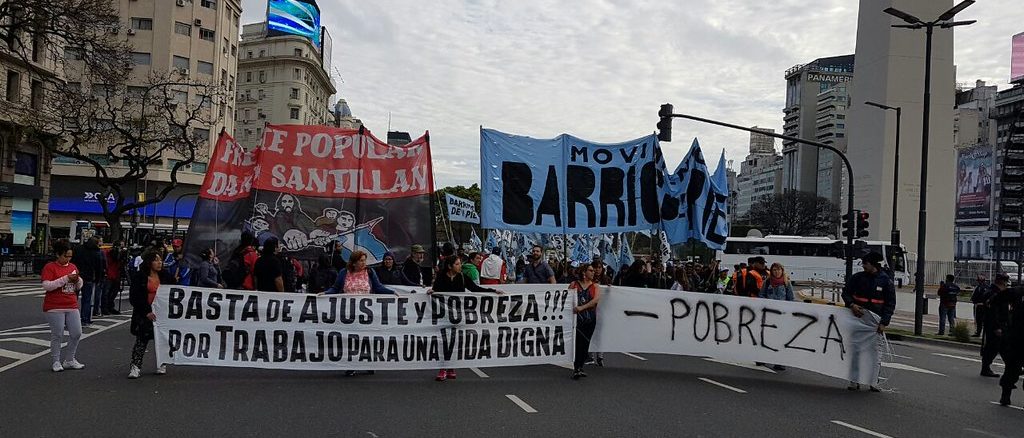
(357, 279)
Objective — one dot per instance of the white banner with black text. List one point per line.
(525, 326)
(825, 339)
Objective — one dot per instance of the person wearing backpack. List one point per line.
(238, 272)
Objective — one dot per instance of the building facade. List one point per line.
(890, 71)
(974, 138)
(806, 168)
(760, 174)
(830, 128)
(1008, 115)
(193, 39)
(282, 80)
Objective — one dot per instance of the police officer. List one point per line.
(1013, 344)
(997, 319)
(871, 290)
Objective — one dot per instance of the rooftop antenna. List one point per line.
(389, 121)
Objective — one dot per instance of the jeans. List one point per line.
(944, 314)
(58, 322)
(88, 290)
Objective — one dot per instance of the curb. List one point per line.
(929, 341)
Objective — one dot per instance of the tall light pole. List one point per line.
(943, 22)
(895, 235)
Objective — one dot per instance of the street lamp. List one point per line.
(922, 216)
(895, 236)
(174, 227)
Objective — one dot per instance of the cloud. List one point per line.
(597, 69)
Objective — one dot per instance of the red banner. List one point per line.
(320, 161)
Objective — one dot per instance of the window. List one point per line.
(295, 114)
(263, 76)
(200, 135)
(234, 19)
(207, 34)
(75, 87)
(259, 132)
(141, 58)
(231, 83)
(248, 54)
(297, 74)
(26, 164)
(13, 86)
(38, 43)
(136, 93)
(298, 52)
(182, 28)
(74, 53)
(261, 94)
(205, 102)
(248, 94)
(223, 77)
(139, 23)
(181, 63)
(248, 76)
(101, 91)
(262, 53)
(205, 68)
(840, 125)
(295, 93)
(234, 50)
(101, 159)
(180, 97)
(246, 114)
(37, 94)
(199, 167)
(208, 4)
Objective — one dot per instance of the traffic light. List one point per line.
(665, 124)
(850, 223)
(862, 225)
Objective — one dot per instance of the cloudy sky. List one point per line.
(598, 69)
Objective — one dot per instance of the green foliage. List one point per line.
(961, 332)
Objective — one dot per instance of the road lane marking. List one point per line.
(742, 365)
(901, 356)
(634, 356)
(861, 429)
(519, 402)
(47, 351)
(720, 384)
(14, 354)
(566, 366)
(971, 359)
(1009, 405)
(982, 432)
(905, 367)
(25, 327)
(32, 332)
(32, 341)
(479, 373)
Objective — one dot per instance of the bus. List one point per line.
(81, 230)
(811, 258)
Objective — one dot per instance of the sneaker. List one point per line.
(441, 376)
(582, 373)
(161, 370)
(988, 373)
(600, 361)
(590, 360)
(113, 312)
(134, 372)
(57, 367)
(451, 374)
(853, 386)
(576, 374)
(350, 373)
(73, 364)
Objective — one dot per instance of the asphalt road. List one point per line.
(930, 392)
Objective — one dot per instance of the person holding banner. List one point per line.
(777, 287)
(587, 297)
(357, 279)
(412, 267)
(141, 295)
(451, 279)
(60, 305)
(269, 269)
(871, 290)
(493, 269)
(389, 273)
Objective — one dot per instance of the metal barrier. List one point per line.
(14, 266)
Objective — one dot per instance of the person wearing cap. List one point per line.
(413, 266)
(997, 321)
(871, 290)
(978, 298)
(176, 266)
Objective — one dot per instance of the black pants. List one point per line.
(979, 318)
(584, 331)
(113, 290)
(990, 347)
(1011, 374)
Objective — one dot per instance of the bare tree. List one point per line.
(795, 213)
(97, 111)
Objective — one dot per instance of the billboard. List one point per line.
(325, 51)
(1017, 58)
(974, 185)
(294, 17)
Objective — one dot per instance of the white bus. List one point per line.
(809, 258)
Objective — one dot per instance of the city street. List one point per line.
(929, 391)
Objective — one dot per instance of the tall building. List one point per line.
(343, 117)
(175, 38)
(974, 138)
(805, 85)
(281, 80)
(760, 173)
(1009, 111)
(890, 70)
(830, 128)
(731, 204)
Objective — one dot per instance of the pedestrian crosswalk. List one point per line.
(30, 288)
(22, 344)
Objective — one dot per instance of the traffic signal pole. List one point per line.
(665, 134)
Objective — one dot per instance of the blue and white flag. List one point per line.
(666, 248)
(581, 250)
(474, 241)
(491, 242)
(698, 202)
(362, 239)
(625, 253)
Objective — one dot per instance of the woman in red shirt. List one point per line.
(141, 295)
(60, 305)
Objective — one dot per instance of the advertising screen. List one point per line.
(1017, 58)
(974, 185)
(294, 17)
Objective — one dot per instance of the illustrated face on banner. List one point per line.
(286, 202)
(346, 221)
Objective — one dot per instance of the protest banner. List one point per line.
(568, 185)
(461, 210)
(215, 327)
(823, 339)
(312, 186)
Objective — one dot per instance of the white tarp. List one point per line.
(824, 339)
(215, 327)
